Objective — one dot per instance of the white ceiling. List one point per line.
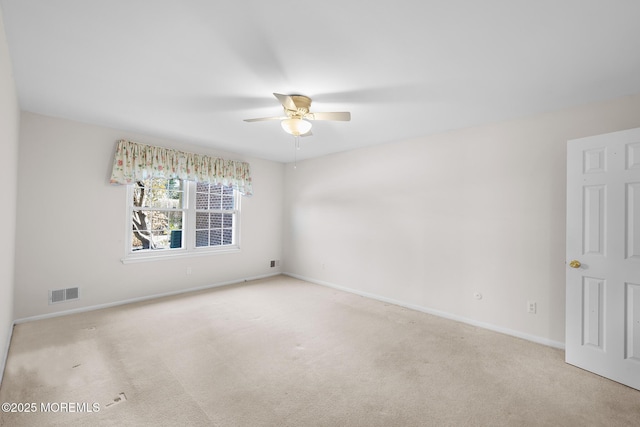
(192, 70)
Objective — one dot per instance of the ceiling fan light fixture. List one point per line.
(295, 126)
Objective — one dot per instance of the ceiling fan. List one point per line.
(297, 119)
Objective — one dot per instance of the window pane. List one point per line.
(175, 220)
(202, 220)
(227, 237)
(215, 202)
(202, 200)
(202, 238)
(216, 220)
(153, 229)
(174, 190)
(140, 241)
(161, 240)
(228, 220)
(227, 202)
(159, 193)
(175, 241)
(215, 237)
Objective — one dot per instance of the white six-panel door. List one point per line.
(603, 255)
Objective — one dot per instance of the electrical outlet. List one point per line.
(531, 307)
(273, 263)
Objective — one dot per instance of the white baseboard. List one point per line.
(5, 354)
(491, 327)
(138, 299)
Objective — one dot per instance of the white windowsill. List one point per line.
(145, 257)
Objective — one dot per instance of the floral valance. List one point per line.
(134, 162)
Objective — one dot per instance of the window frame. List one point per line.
(189, 248)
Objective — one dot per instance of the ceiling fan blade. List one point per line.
(262, 119)
(307, 134)
(286, 101)
(344, 116)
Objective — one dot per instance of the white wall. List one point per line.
(71, 224)
(431, 221)
(9, 125)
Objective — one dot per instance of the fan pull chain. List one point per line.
(295, 152)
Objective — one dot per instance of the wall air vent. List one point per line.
(62, 295)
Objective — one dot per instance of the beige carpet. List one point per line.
(282, 352)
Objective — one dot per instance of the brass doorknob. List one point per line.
(575, 264)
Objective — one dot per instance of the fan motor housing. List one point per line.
(301, 101)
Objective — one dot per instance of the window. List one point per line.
(215, 215)
(157, 214)
(173, 217)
